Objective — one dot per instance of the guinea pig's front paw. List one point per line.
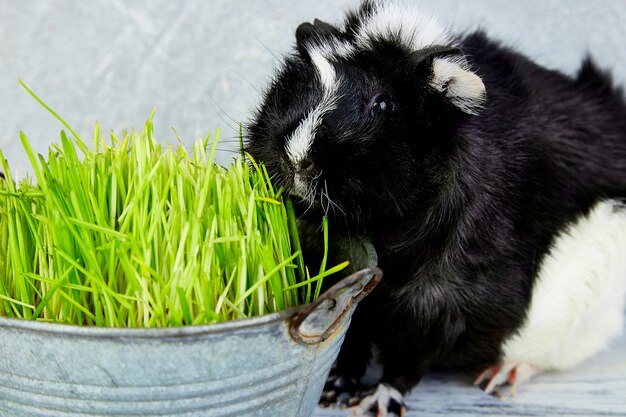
(341, 391)
(382, 401)
(512, 374)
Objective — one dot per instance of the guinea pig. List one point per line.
(491, 187)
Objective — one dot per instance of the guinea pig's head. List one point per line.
(357, 121)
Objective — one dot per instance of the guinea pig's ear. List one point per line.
(307, 34)
(451, 76)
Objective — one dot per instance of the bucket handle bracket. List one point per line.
(318, 321)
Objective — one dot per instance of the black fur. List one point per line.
(461, 208)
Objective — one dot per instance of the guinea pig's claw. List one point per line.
(512, 374)
(340, 391)
(383, 400)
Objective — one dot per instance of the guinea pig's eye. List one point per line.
(381, 104)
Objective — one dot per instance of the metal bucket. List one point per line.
(273, 365)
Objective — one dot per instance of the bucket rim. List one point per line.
(147, 332)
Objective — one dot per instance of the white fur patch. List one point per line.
(578, 300)
(464, 88)
(299, 143)
(333, 49)
(418, 30)
(324, 68)
(403, 21)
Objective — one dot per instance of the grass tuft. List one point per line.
(132, 233)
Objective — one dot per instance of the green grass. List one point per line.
(132, 233)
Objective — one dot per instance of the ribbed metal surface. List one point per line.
(235, 393)
(274, 377)
(236, 402)
(233, 396)
(251, 368)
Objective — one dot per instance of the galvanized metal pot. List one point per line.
(273, 365)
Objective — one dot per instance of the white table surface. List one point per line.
(595, 388)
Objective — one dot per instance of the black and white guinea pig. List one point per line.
(491, 187)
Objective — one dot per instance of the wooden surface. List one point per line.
(596, 388)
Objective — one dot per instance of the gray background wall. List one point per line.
(115, 60)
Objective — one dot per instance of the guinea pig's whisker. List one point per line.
(275, 178)
(322, 203)
(336, 206)
(231, 139)
(331, 203)
(325, 193)
(221, 113)
(278, 55)
(312, 194)
(240, 75)
(230, 151)
(304, 213)
(218, 149)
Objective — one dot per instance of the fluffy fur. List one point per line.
(465, 163)
(578, 298)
